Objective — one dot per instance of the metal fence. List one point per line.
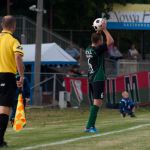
(26, 32)
(131, 66)
(110, 67)
(81, 37)
(50, 85)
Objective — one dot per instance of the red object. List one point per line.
(120, 84)
(84, 84)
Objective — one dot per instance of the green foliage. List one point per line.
(67, 14)
(78, 14)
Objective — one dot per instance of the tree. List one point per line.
(66, 14)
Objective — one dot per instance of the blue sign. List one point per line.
(128, 25)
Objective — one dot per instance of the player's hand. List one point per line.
(20, 82)
(27, 99)
(104, 25)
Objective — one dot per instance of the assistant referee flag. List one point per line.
(20, 119)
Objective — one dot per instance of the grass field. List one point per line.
(54, 129)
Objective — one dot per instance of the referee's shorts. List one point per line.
(96, 90)
(7, 89)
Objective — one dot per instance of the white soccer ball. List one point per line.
(97, 24)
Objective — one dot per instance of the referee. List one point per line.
(11, 54)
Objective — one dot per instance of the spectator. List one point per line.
(73, 52)
(127, 106)
(114, 53)
(133, 52)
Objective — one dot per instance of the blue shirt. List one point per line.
(126, 104)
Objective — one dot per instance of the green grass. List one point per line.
(52, 125)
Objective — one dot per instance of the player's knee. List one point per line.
(98, 102)
(4, 110)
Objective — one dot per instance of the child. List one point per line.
(127, 106)
(26, 97)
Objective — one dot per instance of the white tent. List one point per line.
(51, 53)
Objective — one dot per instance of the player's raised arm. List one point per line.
(109, 39)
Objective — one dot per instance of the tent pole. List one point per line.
(37, 68)
(32, 83)
(54, 90)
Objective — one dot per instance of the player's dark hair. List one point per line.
(8, 22)
(95, 37)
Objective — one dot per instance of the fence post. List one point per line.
(23, 35)
(71, 36)
(54, 90)
(117, 67)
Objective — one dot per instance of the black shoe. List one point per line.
(123, 115)
(4, 144)
(12, 122)
(132, 115)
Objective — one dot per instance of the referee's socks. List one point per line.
(3, 125)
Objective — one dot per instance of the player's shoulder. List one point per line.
(13, 39)
(100, 49)
(104, 45)
(122, 100)
(16, 39)
(89, 48)
(8, 36)
(17, 45)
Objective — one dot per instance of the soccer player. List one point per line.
(126, 105)
(11, 54)
(96, 73)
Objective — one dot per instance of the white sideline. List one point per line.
(11, 130)
(82, 138)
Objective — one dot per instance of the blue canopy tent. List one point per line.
(51, 54)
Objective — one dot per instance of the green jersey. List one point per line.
(95, 56)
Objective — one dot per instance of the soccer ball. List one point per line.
(97, 24)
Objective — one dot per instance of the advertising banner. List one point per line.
(130, 17)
